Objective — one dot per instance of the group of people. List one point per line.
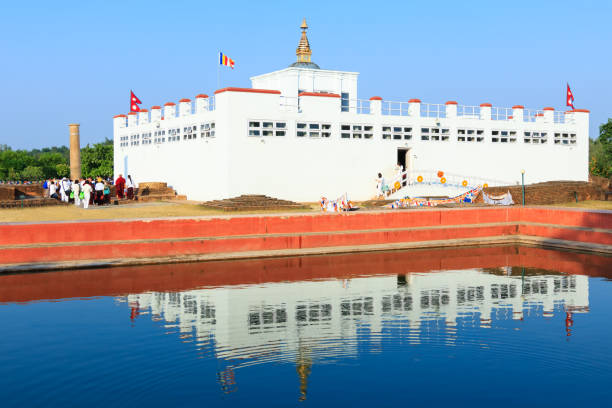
(88, 191)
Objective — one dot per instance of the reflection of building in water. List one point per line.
(317, 321)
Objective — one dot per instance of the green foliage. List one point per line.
(31, 173)
(97, 160)
(54, 162)
(600, 151)
(62, 170)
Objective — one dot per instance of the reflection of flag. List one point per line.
(134, 102)
(225, 60)
(570, 97)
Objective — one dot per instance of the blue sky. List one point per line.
(76, 61)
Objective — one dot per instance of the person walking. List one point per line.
(76, 190)
(130, 187)
(380, 185)
(87, 190)
(99, 187)
(120, 186)
(62, 190)
(107, 191)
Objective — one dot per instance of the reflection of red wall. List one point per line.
(175, 277)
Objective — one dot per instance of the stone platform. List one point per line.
(63, 245)
(253, 203)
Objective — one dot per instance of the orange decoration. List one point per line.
(440, 174)
(485, 185)
(397, 185)
(442, 180)
(420, 179)
(464, 183)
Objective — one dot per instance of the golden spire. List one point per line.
(304, 364)
(303, 51)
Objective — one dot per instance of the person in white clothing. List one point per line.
(380, 182)
(52, 189)
(76, 189)
(99, 187)
(64, 189)
(130, 187)
(86, 194)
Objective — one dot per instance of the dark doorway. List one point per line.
(403, 159)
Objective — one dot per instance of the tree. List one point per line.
(62, 170)
(48, 162)
(31, 173)
(97, 160)
(600, 151)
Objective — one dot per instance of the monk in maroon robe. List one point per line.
(120, 186)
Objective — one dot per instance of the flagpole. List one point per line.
(218, 70)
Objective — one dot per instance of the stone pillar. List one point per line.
(75, 151)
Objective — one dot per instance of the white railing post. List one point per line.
(485, 111)
(549, 115)
(451, 109)
(376, 105)
(517, 113)
(201, 103)
(132, 119)
(414, 107)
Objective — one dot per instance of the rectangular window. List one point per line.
(397, 132)
(312, 130)
(435, 134)
(533, 137)
(344, 102)
(356, 131)
(263, 128)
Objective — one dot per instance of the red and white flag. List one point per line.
(570, 97)
(134, 102)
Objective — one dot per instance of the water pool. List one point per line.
(498, 326)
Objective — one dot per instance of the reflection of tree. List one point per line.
(304, 364)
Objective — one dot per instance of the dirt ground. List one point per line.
(144, 210)
(590, 204)
(170, 209)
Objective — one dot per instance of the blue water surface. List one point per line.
(366, 341)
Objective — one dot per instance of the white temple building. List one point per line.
(303, 132)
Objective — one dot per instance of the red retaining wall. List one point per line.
(69, 241)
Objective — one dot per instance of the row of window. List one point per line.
(191, 132)
(258, 128)
(315, 129)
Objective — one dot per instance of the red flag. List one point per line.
(570, 97)
(134, 102)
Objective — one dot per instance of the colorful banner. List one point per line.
(467, 197)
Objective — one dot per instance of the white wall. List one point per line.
(310, 80)
(304, 169)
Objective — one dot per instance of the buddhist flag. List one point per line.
(134, 102)
(570, 97)
(225, 60)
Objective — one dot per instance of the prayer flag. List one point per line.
(570, 97)
(134, 102)
(225, 60)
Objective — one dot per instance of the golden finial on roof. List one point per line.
(303, 51)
